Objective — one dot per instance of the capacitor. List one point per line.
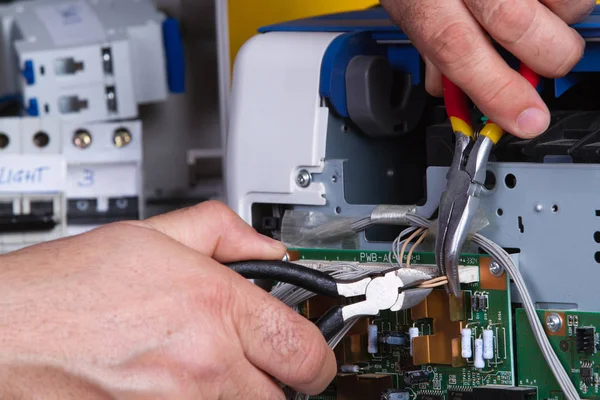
(412, 333)
(416, 377)
(350, 369)
(483, 302)
(373, 333)
(488, 344)
(467, 350)
(478, 360)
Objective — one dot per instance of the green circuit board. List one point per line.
(580, 357)
(395, 361)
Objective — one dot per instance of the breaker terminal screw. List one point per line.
(4, 140)
(304, 178)
(82, 139)
(553, 322)
(122, 137)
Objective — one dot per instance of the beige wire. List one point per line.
(418, 242)
(410, 239)
(433, 283)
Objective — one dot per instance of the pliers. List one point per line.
(466, 178)
(393, 289)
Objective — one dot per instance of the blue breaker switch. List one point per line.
(33, 108)
(175, 55)
(29, 72)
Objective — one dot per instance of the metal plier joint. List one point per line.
(466, 178)
(393, 289)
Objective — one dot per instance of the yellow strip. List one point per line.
(458, 125)
(493, 132)
(246, 16)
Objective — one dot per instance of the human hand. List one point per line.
(144, 310)
(451, 36)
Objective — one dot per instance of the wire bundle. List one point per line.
(506, 261)
(419, 229)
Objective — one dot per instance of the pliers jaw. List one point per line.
(459, 204)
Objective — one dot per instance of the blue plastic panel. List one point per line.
(370, 32)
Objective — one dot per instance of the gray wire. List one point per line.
(506, 261)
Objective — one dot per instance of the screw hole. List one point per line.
(597, 237)
(4, 140)
(338, 210)
(511, 181)
(334, 179)
(597, 257)
(41, 139)
(345, 128)
(521, 226)
(500, 212)
(554, 208)
(490, 180)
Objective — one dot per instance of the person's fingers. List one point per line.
(533, 33)
(213, 229)
(447, 33)
(281, 342)
(246, 382)
(433, 79)
(571, 11)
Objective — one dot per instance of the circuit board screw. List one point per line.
(539, 208)
(553, 322)
(304, 178)
(496, 269)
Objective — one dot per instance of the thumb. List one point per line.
(214, 230)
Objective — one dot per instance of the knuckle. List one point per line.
(497, 93)
(212, 206)
(454, 45)
(509, 20)
(279, 328)
(214, 295)
(566, 64)
(572, 11)
(312, 360)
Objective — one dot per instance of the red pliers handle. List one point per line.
(460, 201)
(457, 107)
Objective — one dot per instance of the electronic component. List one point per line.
(587, 375)
(478, 359)
(394, 339)
(416, 377)
(413, 332)
(493, 392)
(479, 302)
(395, 395)
(350, 369)
(454, 394)
(488, 344)
(373, 332)
(466, 343)
(586, 339)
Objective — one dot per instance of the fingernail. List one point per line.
(275, 244)
(533, 121)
